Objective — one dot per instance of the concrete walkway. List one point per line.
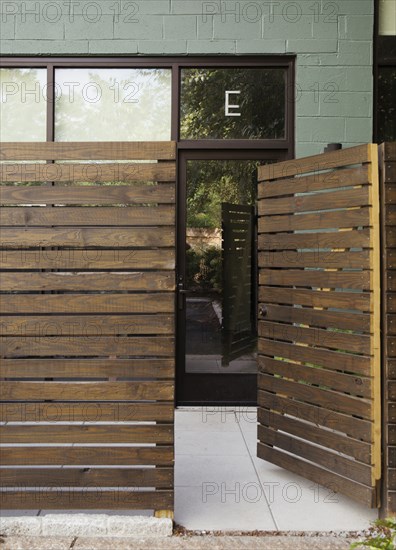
(177, 543)
(222, 485)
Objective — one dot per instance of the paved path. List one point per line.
(178, 543)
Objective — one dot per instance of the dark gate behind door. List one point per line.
(87, 333)
(239, 311)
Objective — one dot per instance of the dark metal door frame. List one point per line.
(199, 388)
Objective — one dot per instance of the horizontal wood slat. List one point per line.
(92, 172)
(72, 281)
(87, 368)
(88, 303)
(107, 150)
(87, 352)
(104, 411)
(316, 298)
(341, 219)
(86, 346)
(309, 470)
(86, 325)
(87, 456)
(345, 198)
(48, 433)
(120, 259)
(329, 239)
(89, 195)
(161, 478)
(317, 182)
(160, 390)
(315, 278)
(329, 399)
(319, 319)
(93, 216)
(82, 499)
(85, 237)
(335, 159)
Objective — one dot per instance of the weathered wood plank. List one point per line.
(106, 411)
(316, 241)
(315, 164)
(86, 325)
(315, 278)
(314, 336)
(84, 456)
(160, 390)
(333, 360)
(161, 478)
(67, 281)
(345, 198)
(96, 216)
(359, 322)
(357, 491)
(319, 181)
(310, 432)
(85, 346)
(87, 194)
(334, 462)
(328, 399)
(155, 150)
(87, 303)
(69, 259)
(316, 298)
(356, 428)
(333, 380)
(87, 368)
(92, 172)
(114, 433)
(329, 259)
(344, 219)
(83, 237)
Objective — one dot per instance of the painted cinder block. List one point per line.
(332, 42)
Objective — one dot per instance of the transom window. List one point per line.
(243, 102)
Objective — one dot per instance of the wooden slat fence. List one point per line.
(388, 218)
(319, 337)
(88, 325)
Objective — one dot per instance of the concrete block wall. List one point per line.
(332, 40)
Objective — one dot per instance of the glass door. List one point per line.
(217, 276)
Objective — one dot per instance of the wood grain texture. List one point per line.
(87, 352)
(116, 150)
(318, 241)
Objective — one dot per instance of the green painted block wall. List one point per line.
(332, 41)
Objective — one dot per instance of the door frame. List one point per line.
(191, 387)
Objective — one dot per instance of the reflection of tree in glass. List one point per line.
(212, 182)
(261, 103)
(134, 105)
(23, 108)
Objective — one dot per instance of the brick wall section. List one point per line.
(332, 40)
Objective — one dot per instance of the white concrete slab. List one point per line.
(221, 484)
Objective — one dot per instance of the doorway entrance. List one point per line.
(217, 276)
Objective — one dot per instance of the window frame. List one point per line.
(286, 62)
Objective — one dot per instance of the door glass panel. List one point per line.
(23, 105)
(113, 105)
(220, 267)
(233, 103)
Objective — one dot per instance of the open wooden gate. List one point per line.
(87, 333)
(319, 347)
